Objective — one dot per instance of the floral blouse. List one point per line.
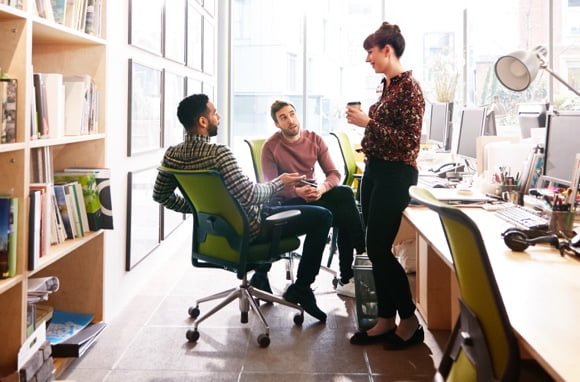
(394, 131)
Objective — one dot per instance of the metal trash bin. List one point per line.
(366, 297)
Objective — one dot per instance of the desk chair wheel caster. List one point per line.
(192, 335)
(193, 311)
(263, 340)
(298, 319)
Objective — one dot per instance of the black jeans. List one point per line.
(384, 196)
(346, 217)
(314, 222)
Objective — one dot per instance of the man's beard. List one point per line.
(213, 130)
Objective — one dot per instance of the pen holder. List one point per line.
(512, 194)
(561, 223)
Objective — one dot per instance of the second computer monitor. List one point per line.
(440, 125)
(473, 123)
(562, 144)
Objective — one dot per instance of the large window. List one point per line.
(310, 52)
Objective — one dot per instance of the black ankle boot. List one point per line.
(260, 281)
(304, 297)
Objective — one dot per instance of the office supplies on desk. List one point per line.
(522, 217)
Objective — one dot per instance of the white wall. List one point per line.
(121, 286)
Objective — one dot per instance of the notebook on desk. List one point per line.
(459, 195)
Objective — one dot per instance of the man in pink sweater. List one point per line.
(295, 150)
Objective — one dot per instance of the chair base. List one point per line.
(247, 296)
(290, 268)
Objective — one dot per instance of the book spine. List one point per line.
(34, 222)
(41, 107)
(5, 207)
(12, 237)
(8, 96)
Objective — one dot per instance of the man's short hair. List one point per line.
(276, 106)
(191, 108)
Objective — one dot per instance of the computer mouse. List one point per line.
(439, 185)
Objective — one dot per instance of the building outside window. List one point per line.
(311, 54)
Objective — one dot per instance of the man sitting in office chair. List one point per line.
(200, 119)
(298, 151)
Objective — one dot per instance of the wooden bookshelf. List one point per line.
(32, 44)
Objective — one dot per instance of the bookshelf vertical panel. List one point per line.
(12, 170)
(12, 326)
(81, 279)
(14, 63)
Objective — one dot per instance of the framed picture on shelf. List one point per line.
(144, 114)
(208, 47)
(143, 216)
(174, 35)
(194, 36)
(145, 25)
(173, 93)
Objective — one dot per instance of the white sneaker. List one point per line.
(346, 289)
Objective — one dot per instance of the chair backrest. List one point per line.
(482, 308)
(347, 151)
(221, 228)
(255, 146)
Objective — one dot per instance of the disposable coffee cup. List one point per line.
(354, 104)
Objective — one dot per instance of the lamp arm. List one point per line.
(547, 69)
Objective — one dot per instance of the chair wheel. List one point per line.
(334, 282)
(263, 340)
(193, 311)
(192, 335)
(298, 319)
(244, 318)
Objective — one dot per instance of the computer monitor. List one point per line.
(532, 115)
(489, 126)
(440, 125)
(473, 121)
(562, 144)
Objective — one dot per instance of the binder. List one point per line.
(79, 343)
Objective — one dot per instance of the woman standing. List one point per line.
(391, 144)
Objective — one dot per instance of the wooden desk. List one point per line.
(540, 289)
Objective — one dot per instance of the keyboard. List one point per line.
(522, 217)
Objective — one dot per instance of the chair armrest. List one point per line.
(282, 216)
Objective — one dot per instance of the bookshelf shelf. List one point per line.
(31, 44)
(46, 32)
(66, 140)
(9, 283)
(8, 147)
(58, 251)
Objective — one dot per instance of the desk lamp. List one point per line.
(517, 70)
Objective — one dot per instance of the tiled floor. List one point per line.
(147, 341)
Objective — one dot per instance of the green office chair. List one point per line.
(482, 346)
(255, 146)
(221, 240)
(351, 178)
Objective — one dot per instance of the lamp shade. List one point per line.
(517, 70)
